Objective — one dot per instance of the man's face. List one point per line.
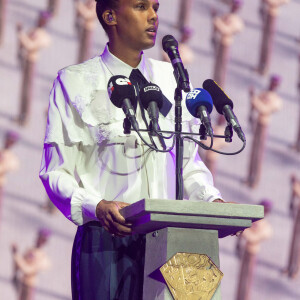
(137, 23)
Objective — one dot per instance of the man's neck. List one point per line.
(128, 56)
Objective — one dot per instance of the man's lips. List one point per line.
(152, 29)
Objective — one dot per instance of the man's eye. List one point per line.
(141, 6)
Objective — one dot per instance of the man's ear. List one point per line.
(109, 17)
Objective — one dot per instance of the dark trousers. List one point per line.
(106, 267)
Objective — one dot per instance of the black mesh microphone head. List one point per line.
(168, 42)
(119, 87)
(151, 92)
(220, 99)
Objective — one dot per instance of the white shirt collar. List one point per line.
(118, 67)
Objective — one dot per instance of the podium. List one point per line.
(174, 226)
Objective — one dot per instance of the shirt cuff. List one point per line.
(211, 194)
(206, 194)
(83, 206)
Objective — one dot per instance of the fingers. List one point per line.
(116, 216)
(111, 219)
(218, 201)
(116, 213)
(117, 229)
(121, 204)
(115, 224)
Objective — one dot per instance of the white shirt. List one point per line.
(87, 157)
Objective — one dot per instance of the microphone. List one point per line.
(121, 93)
(199, 103)
(224, 106)
(152, 100)
(170, 46)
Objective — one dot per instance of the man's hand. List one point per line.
(223, 201)
(110, 218)
(219, 200)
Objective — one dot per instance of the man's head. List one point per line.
(129, 23)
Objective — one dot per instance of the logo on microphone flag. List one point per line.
(123, 81)
(193, 94)
(151, 88)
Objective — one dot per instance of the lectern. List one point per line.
(173, 226)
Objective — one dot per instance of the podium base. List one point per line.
(162, 244)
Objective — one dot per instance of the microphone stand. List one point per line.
(179, 143)
(182, 85)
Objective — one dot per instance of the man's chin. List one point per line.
(149, 45)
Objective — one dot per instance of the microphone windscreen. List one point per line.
(196, 98)
(119, 87)
(220, 99)
(168, 42)
(151, 92)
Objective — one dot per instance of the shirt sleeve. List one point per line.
(62, 152)
(58, 174)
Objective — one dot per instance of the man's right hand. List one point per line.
(110, 218)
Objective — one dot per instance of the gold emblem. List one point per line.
(191, 276)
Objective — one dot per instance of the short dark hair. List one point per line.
(102, 6)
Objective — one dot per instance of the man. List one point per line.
(91, 169)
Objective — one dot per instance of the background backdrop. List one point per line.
(22, 214)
